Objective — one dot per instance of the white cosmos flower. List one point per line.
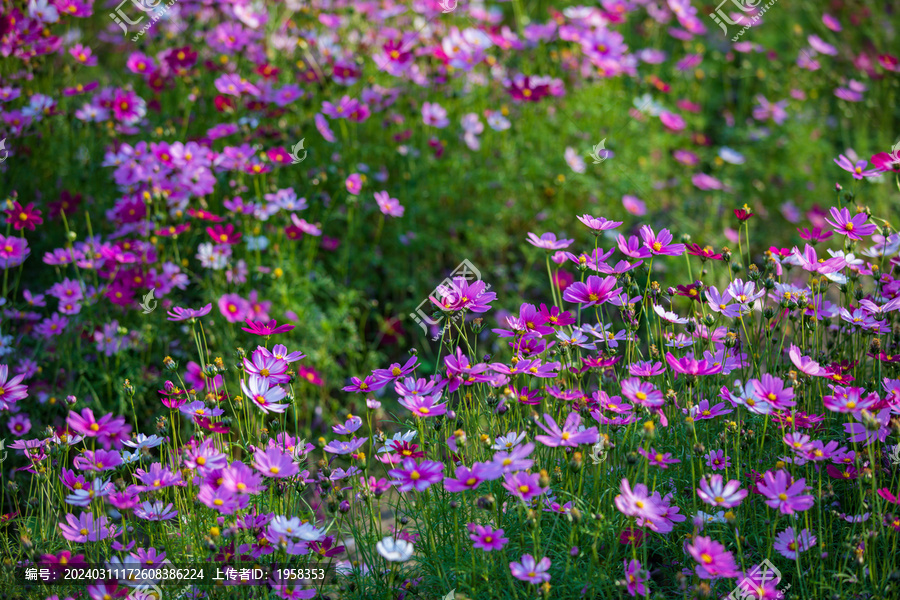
(394, 550)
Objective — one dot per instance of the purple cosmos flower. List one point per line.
(85, 529)
(632, 247)
(643, 393)
(530, 570)
(715, 492)
(486, 538)
(636, 502)
(462, 295)
(635, 577)
(388, 206)
(516, 459)
(183, 314)
(155, 511)
(548, 241)
(661, 243)
(657, 458)
(789, 544)
(414, 476)
(713, 560)
(785, 494)
(854, 228)
(470, 479)
(858, 169)
(342, 447)
(569, 435)
(594, 291)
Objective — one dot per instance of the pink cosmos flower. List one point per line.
(389, 206)
(274, 463)
(713, 561)
(548, 241)
(264, 396)
(530, 570)
(486, 538)
(424, 406)
(569, 436)
(785, 494)
(717, 460)
(661, 243)
(634, 205)
(523, 485)
(691, 366)
(11, 390)
(354, 183)
(637, 502)
(715, 492)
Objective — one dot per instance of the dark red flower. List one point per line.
(743, 213)
(705, 253)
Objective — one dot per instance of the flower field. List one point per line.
(449, 300)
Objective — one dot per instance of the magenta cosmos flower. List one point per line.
(691, 366)
(266, 329)
(424, 406)
(486, 538)
(414, 476)
(715, 492)
(785, 494)
(594, 291)
(569, 435)
(354, 184)
(598, 224)
(524, 485)
(854, 228)
(637, 502)
(660, 243)
(548, 241)
(713, 560)
(530, 570)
